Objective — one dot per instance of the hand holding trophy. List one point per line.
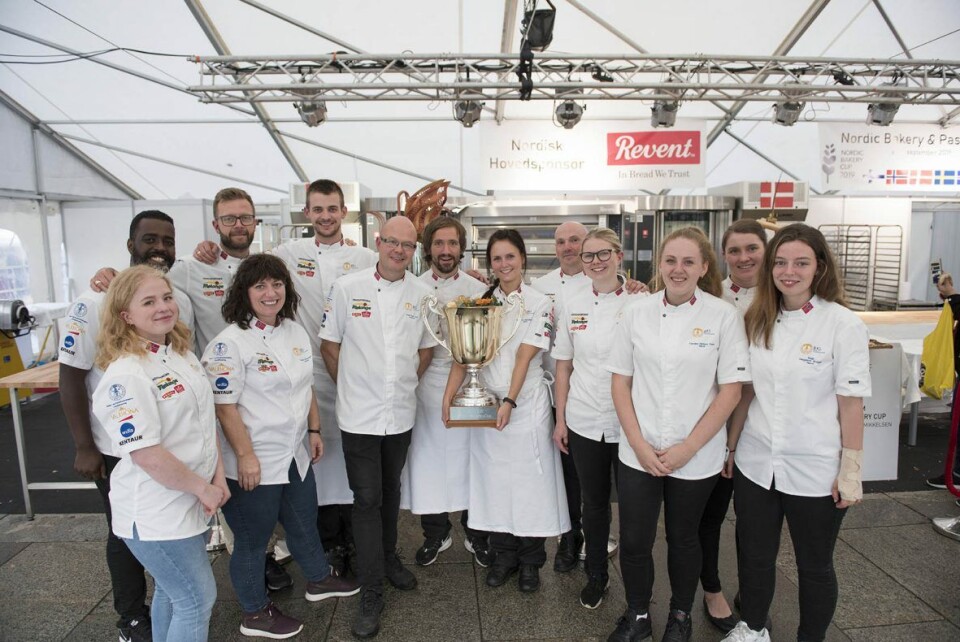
(473, 340)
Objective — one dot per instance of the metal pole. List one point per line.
(21, 449)
(42, 205)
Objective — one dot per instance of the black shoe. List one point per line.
(631, 628)
(529, 578)
(592, 594)
(568, 552)
(137, 629)
(679, 627)
(431, 549)
(398, 574)
(367, 623)
(940, 481)
(736, 605)
(724, 624)
(498, 575)
(277, 576)
(480, 547)
(337, 559)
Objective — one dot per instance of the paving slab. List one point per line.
(940, 631)
(99, 624)
(443, 607)
(44, 620)
(54, 528)
(9, 549)
(917, 557)
(880, 510)
(930, 503)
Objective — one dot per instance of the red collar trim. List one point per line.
(153, 347)
(692, 300)
(224, 255)
(437, 278)
(734, 287)
(260, 325)
(807, 307)
(316, 241)
(617, 292)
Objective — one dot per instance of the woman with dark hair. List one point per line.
(678, 360)
(516, 484)
(800, 451)
(743, 245)
(155, 404)
(260, 368)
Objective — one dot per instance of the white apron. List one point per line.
(331, 471)
(435, 478)
(516, 483)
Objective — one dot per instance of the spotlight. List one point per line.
(881, 113)
(843, 78)
(467, 112)
(787, 113)
(569, 113)
(312, 113)
(664, 113)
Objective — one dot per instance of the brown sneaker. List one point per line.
(269, 622)
(332, 586)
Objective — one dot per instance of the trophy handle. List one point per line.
(428, 304)
(513, 300)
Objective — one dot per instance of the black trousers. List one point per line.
(335, 523)
(640, 496)
(814, 524)
(374, 464)
(512, 550)
(126, 571)
(594, 461)
(438, 525)
(714, 513)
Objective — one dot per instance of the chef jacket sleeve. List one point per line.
(539, 330)
(335, 310)
(78, 348)
(126, 406)
(851, 358)
(620, 360)
(226, 370)
(562, 341)
(733, 364)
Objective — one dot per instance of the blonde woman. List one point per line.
(156, 405)
(678, 360)
(587, 426)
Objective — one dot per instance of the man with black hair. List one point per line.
(151, 242)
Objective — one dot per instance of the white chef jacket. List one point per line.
(267, 371)
(436, 476)
(460, 284)
(158, 398)
(738, 297)
(792, 432)
(535, 329)
(206, 287)
(378, 326)
(585, 323)
(678, 356)
(555, 284)
(78, 348)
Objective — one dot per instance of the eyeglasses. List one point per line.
(395, 243)
(603, 256)
(230, 220)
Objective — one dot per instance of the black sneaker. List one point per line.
(592, 594)
(367, 623)
(138, 629)
(679, 627)
(480, 548)
(568, 552)
(632, 627)
(398, 574)
(277, 576)
(337, 559)
(431, 549)
(498, 575)
(940, 481)
(529, 578)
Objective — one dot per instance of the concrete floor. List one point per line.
(899, 580)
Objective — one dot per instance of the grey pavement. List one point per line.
(899, 580)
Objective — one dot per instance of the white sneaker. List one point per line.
(743, 633)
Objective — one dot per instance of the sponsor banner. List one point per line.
(881, 415)
(613, 156)
(898, 158)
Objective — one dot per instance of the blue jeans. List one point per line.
(185, 590)
(252, 515)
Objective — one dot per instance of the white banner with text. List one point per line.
(898, 158)
(614, 156)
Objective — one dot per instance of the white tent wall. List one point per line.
(95, 233)
(22, 217)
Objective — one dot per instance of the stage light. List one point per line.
(881, 113)
(569, 113)
(467, 112)
(664, 113)
(787, 113)
(312, 113)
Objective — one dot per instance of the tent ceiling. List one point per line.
(95, 103)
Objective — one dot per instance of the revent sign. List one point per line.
(653, 148)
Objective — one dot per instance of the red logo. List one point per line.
(653, 148)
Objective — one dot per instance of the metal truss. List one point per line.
(446, 77)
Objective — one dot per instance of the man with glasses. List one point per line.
(376, 348)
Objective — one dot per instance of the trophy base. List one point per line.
(473, 417)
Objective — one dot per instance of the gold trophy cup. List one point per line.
(473, 341)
